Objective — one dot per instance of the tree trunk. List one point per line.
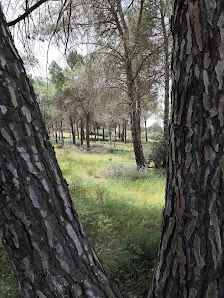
(191, 251)
(122, 134)
(110, 138)
(146, 133)
(87, 133)
(56, 136)
(62, 136)
(48, 249)
(119, 131)
(77, 128)
(125, 132)
(136, 134)
(103, 134)
(81, 132)
(97, 130)
(73, 130)
(167, 70)
(94, 128)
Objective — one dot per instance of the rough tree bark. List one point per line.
(191, 251)
(48, 249)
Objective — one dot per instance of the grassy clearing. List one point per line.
(120, 209)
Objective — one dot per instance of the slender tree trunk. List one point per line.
(81, 132)
(122, 135)
(119, 131)
(125, 132)
(48, 249)
(73, 135)
(138, 104)
(87, 132)
(146, 133)
(77, 128)
(110, 138)
(103, 134)
(115, 134)
(136, 134)
(56, 136)
(191, 253)
(167, 70)
(62, 136)
(94, 128)
(73, 130)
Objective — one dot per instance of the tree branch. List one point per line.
(26, 13)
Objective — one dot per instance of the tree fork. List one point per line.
(42, 234)
(191, 251)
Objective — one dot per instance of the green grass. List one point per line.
(8, 286)
(120, 209)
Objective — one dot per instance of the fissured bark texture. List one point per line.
(191, 255)
(48, 249)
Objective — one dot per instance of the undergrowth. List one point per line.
(120, 209)
(8, 286)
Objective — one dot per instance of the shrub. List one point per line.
(157, 153)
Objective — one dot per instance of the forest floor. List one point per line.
(120, 209)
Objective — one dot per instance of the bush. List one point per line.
(157, 153)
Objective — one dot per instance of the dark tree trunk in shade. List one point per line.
(81, 132)
(103, 134)
(125, 132)
(119, 131)
(73, 130)
(110, 135)
(48, 249)
(77, 129)
(146, 133)
(122, 134)
(94, 128)
(56, 136)
(87, 132)
(191, 253)
(62, 136)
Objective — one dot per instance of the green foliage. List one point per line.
(157, 153)
(57, 75)
(74, 59)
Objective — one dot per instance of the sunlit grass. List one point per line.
(120, 209)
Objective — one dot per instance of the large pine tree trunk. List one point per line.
(48, 249)
(191, 252)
